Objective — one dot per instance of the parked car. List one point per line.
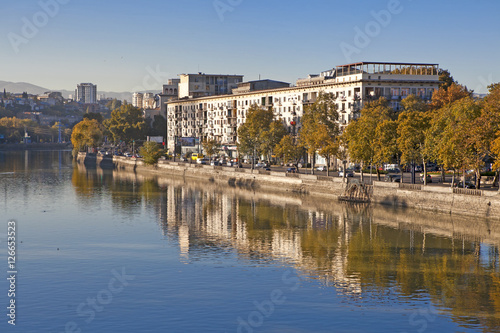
(392, 178)
(214, 163)
(260, 165)
(128, 155)
(203, 161)
(348, 173)
(429, 178)
(468, 184)
(291, 170)
(230, 163)
(322, 168)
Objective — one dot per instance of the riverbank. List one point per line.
(34, 146)
(464, 202)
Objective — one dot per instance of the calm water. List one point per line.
(108, 251)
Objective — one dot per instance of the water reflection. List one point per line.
(360, 251)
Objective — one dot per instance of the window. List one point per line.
(405, 92)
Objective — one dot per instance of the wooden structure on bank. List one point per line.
(356, 192)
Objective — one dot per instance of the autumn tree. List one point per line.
(361, 135)
(126, 124)
(86, 134)
(444, 96)
(210, 146)
(271, 137)
(289, 150)
(413, 126)
(252, 133)
(320, 129)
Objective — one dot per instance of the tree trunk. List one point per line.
(312, 163)
(495, 180)
(478, 179)
(453, 178)
(425, 172)
(378, 174)
(362, 174)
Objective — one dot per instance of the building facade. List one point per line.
(219, 116)
(86, 93)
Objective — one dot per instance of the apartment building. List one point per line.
(86, 93)
(219, 116)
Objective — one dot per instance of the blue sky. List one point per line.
(136, 45)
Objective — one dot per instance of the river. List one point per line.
(113, 251)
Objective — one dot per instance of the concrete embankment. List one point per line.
(429, 198)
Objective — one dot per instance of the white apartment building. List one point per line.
(137, 98)
(353, 84)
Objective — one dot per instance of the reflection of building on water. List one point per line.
(359, 250)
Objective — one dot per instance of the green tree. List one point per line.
(158, 126)
(320, 129)
(251, 133)
(94, 115)
(86, 134)
(150, 152)
(114, 104)
(126, 124)
(210, 147)
(445, 79)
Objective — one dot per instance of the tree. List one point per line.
(412, 129)
(94, 115)
(159, 126)
(361, 135)
(271, 137)
(210, 147)
(320, 129)
(385, 143)
(126, 124)
(288, 150)
(150, 152)
(114, 104)
(86, 134)
(445, 79)
(444, 96)
(251, 133)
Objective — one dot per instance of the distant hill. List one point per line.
(20, 87)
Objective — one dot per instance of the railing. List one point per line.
(467, 191)
(405, 186)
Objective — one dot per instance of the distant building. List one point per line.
(148, 101)
(137, 98)
(202, 85)
(86, 93)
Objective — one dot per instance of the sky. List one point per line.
(137, 45)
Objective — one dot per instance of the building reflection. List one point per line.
(358, 250)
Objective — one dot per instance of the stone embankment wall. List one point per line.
(430, 198)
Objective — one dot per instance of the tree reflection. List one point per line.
(359, 250)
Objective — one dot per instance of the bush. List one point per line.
(150, 152)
